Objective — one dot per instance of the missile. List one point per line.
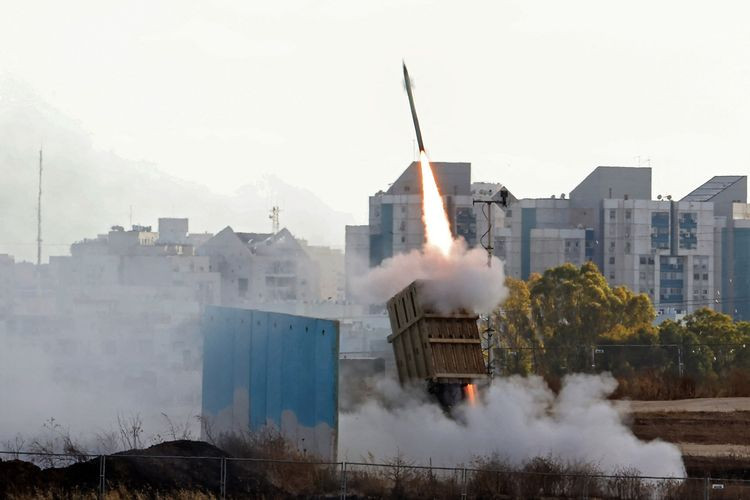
(407, 83)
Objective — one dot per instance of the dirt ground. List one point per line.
(694, 427)
(688, 405)
(713, 433)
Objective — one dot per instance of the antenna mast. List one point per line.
(39, 215)
(275, 219)
(503, 202)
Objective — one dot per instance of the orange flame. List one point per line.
(436, 225)
(471, 394)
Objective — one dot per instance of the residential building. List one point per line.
(257, 268)
(676, 252)
(396, 215)
(684, 254)
(330, 271)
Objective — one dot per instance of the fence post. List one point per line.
(705, 488)
(102, 478)
(343, 480)
(463, 483)
(585, 487)
(223, 478)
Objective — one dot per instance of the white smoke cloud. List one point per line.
(516, 419)
(58, 370)
(461, 280)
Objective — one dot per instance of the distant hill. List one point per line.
(86, 191)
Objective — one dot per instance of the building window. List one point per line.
(242, 287)
(688, 225)
(660, 230)
(628, 214)
(500, 248)
(612, 260)
(612, 214)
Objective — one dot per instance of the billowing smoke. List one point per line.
(517, 419)
(59, 371)
(461, 280)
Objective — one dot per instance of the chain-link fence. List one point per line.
(130, 475)
(645, 371)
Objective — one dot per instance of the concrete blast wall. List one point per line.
(269, 369)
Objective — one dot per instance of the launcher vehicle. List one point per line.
(441, 351)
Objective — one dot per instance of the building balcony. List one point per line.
(671, 283)
(671, 299)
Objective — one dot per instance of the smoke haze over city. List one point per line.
(239, 230)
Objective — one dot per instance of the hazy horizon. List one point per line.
(533, 95)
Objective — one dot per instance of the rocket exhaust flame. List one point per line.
(471, 394)
(436, 225)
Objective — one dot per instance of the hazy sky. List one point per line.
(534, 94)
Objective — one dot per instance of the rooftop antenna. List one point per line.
(274, 216)
(39, 215)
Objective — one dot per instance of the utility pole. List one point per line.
(39, 216)
(503, 202)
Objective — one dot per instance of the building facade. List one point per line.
(684, 254)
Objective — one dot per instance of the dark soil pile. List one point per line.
(723, 467)
(694, 427)
(139, 470)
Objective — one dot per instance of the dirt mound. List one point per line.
(698, 427)
(725, 467)
(140, 470)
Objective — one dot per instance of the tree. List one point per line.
(515, 333)
(573, 309)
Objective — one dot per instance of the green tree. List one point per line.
(742, 350)
(573, 309)
(697, 359)
(716, 336)
(515, 333)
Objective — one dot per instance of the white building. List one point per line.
(259, 268)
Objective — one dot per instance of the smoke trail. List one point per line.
(461, 279)
(517, 419)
